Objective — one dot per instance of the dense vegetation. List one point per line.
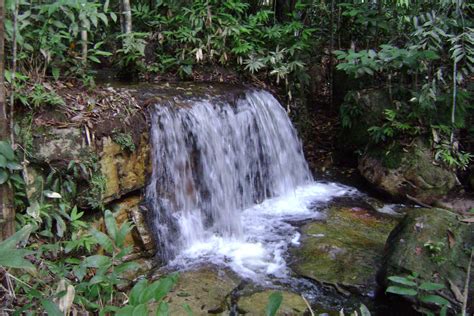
(420, 53)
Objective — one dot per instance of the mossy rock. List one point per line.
(414, 176)
(408, 251)
(255, 304)
(344, 250)
(58, 146)
(205, 291)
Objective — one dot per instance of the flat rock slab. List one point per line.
(255, 304)
(205, 291)
(346, 249)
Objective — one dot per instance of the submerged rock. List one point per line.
(434, 244)
(255, 304)
(410, 174)
(344, 250)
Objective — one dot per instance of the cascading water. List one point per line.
(226, 180)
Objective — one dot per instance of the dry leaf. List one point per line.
(457, 293)
(451, 238)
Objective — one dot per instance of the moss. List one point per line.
(345, 249)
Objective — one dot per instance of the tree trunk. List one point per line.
(127, 16)
(13, 80)
(7, 212)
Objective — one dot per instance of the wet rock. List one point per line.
(124, 171)
(205, 291)
(409, 174)
(411, 248)
(255, 304)
(346, 249)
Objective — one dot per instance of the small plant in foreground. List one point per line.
(425, 292)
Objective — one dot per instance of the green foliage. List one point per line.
(274, 302)
(145, 293)
(10, 256)
(9, 165)
(221, 33)
(48, 35)
(125, 141)
(435, 249)
(422, 55)
(95, 278)
(425, 292)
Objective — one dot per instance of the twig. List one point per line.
(413, 199)
(18, 280)
(466, 286)
(307, 304)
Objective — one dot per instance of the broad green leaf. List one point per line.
(163, 309)
(435, 299)
(3, 176)
(165, 286)
(97, 261)
(55, 72)
(15, 258)
(140, 310)
(126, 267)
(20, 235)
(125, 311)
(137, 291)
(428, 286)
(110, 224)
(274, 302)
(6, 150)
(401, 290)
(51, 308)
(402, 280)
(364, 311)
(98, 278)
(14, 166)
(103, 240)
(3, 161)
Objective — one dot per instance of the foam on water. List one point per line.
(268, 232)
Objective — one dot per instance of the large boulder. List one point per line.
(407, 174)
(345, 250)
(434, 244)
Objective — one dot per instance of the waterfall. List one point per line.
(211, 160)
(214, 161)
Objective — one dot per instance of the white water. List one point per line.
(227, 181)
